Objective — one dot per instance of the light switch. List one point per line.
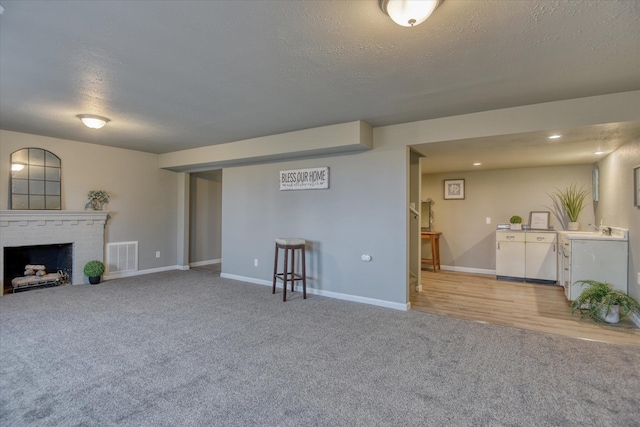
(488, 220)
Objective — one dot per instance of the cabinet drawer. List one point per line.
(541, 237)
(505, 236)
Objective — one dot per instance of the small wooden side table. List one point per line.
(434, 237)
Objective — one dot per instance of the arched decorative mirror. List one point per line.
(35, 179)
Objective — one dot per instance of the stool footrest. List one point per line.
(290, 276)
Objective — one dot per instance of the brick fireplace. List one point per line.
(83, 229)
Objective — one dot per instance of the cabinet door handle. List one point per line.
(498, 245)
(540, 239)
(511, 237)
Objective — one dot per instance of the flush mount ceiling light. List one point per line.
(597, 153)
(555, 136)
(409, 13)
(93, 122)
(477, 164)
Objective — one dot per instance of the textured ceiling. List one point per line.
(576, 146)
(173, 75)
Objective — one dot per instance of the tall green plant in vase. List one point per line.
(572, 202)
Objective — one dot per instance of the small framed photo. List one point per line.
(539, 220)
(454, 189)
(636, 186)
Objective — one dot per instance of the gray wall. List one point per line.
(363, 212)
(205, 231)
(467, 242)
(616, 202)
(143, 202)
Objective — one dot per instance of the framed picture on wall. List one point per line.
(539, 220)
(636, 185)
(454, 189)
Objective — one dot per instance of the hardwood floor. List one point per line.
(535, 307)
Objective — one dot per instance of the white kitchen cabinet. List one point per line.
(510, 255)
(583, 257)
(526, 256)
(541, 257)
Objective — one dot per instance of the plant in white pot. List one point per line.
(602, 303)
(516, 222)
(572, 202)
(97, 199)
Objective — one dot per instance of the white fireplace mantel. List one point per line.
(51, 215)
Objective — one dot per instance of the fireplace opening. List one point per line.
(56, 259)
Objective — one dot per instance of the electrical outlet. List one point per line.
(488, 220)
(157, 254)
(255, 262)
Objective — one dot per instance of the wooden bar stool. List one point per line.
(290, 245)
(434, 237)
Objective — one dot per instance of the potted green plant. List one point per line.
(94, 270)
(600, 302)
(97, 198)
(516, 222)
(572, 202)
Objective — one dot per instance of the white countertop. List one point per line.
(616, 234)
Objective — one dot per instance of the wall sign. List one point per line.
(305, 179)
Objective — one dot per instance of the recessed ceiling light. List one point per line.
(555, 136)
(598, 153)
(477, 164)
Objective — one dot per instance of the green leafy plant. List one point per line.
(515, 219)
(100, 196)
(597, 301)
(572, 200)
(94, 269)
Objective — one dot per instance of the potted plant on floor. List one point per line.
(94, 271)
(516, 222)
(602, 303)
(572, 201)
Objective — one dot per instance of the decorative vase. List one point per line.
(97, 206)
(613, 316)
(573, 226)
(94, 280)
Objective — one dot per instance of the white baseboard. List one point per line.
(119, 275)
(336, 295)
(207, 262)
(468, 270)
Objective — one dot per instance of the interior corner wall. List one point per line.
(616, 206)
(205, 231)
(363, 212)
(467, 241)
(142, 203)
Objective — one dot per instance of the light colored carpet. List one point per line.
(189, 348)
